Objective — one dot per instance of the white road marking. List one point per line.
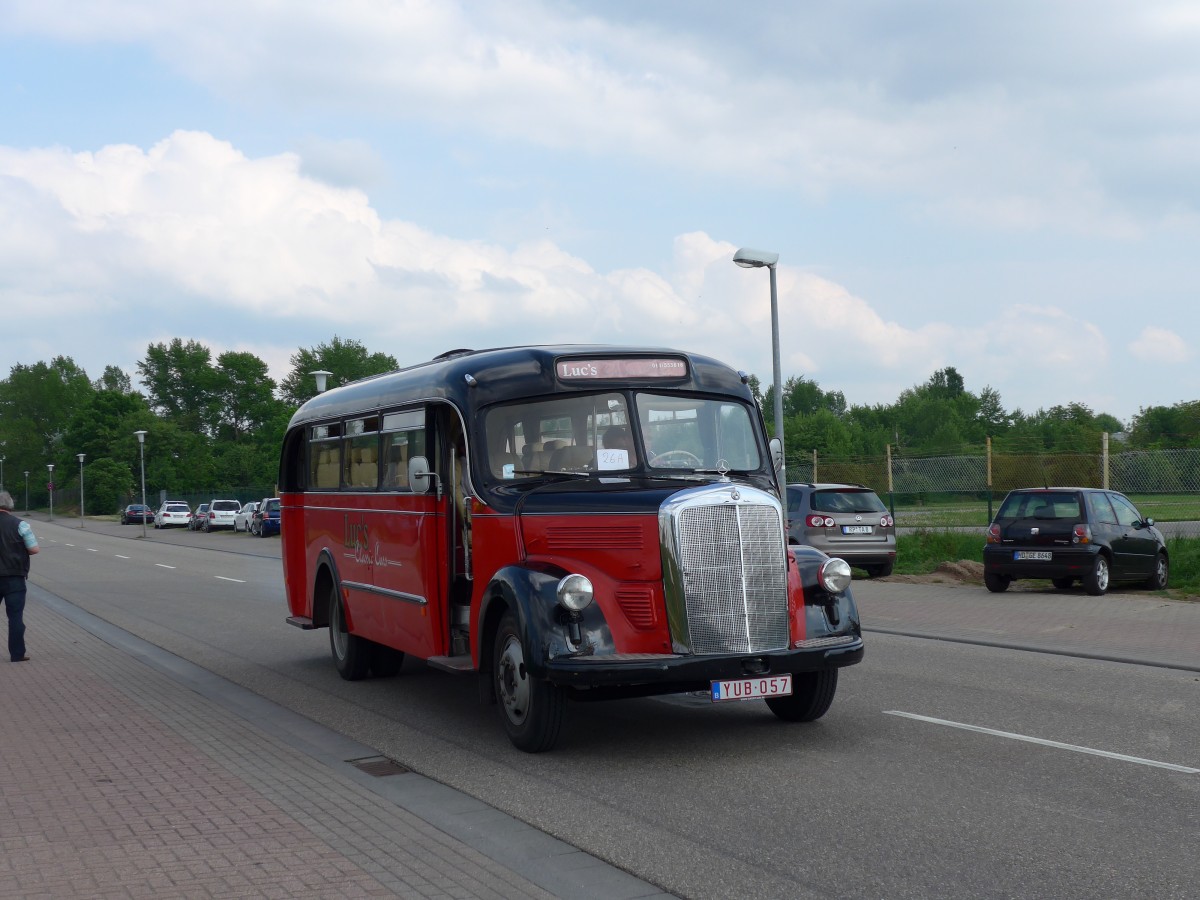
(92, 550)
(164, 566)
(1045, 743)
(223, 578)
(70, 545)
(119, 556)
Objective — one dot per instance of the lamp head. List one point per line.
(141, 436)
(320, 375)
(80, 456)
(748, 258)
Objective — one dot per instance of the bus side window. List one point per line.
(395, 455)
(326, 465)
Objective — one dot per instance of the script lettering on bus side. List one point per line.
(357, 539)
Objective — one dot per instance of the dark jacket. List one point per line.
(14, 558)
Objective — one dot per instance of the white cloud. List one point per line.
(192, 238)
(1011, 133)
(1158, 345)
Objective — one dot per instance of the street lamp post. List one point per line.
(2, 459)
(50, 466)
(141, 436)
(81, 456)
(26, 492)
(757, 259)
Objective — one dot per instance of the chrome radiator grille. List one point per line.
(734, 578)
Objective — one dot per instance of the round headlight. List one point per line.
(575, 593)
(834, 575)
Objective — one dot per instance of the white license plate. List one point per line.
(856, 529)
(752, 688)
(1036, 555)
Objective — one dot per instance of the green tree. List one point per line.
(348, 360)
(181, 383)
(244, 395)
(114, 379)
(36, 404)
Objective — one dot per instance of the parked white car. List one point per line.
(221, 514)
(173, 512)
(241, 522)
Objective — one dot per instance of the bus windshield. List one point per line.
(598, 432)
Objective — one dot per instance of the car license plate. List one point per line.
(856, 529)
(1036, 555)
(752, 688)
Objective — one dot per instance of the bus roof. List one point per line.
(473, 378)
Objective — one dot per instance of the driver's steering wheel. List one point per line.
(671, 455)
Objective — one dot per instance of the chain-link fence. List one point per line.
(963, 491)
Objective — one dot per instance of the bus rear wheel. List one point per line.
(530, 708)
(812, 695)
(351, 654)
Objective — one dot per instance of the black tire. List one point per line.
(1095, 581)
(997, 584)
(812, 694)
(1162, 574)
(530, 708)
(880, 571)
(1062, 583)
(386, 661)
(351, 654)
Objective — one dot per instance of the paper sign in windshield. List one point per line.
(612, 459)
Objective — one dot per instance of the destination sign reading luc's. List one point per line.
(609, 369)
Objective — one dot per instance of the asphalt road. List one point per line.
(888, 795)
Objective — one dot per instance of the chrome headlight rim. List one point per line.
(834, 576)
(575, 593)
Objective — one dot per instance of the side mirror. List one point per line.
(777, 455)
(420, 478)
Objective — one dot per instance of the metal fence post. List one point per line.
(1104, 460)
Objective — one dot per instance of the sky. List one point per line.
(1009, 189)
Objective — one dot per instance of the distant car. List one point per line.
(266, 520)
(201, 515)
(135, 512)
(241, 522)
(1069, 534)
(221, 514)
(847, 521)
(173, 512)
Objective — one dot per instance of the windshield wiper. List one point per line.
(564, 473)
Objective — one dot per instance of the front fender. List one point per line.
(825, 613)
(531, 592)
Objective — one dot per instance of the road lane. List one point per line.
(713, 801)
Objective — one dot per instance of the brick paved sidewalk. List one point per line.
(119, 781)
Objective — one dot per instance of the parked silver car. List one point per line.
(847, 521)
(245, 516)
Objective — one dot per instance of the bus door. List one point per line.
(408, 546)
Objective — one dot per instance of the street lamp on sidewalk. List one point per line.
(757, 259)
(2, 459)
(50, 485)
(141, 436)
(80, 456)
(26, 492)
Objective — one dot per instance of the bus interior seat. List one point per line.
(571, 458)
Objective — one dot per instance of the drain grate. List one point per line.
(379, 766)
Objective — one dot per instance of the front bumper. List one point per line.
(672, 673)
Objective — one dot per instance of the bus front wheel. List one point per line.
(811, 697)
(530, 708)
(351, 654)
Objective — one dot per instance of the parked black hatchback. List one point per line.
(1067, 534)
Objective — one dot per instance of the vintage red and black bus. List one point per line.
(566, 523)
